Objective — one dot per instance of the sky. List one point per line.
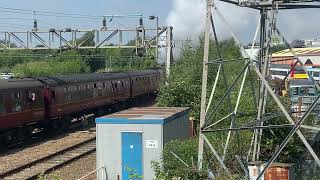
(186, 17)
(93, 7)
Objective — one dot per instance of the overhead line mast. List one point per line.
(268, 17)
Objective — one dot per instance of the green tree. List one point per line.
(184, 90)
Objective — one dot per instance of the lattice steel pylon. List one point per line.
(268, 29)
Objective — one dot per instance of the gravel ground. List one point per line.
(76, 169)
(19, 157)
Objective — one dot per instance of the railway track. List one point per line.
(51, 162)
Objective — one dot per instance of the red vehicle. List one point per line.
(47, 102)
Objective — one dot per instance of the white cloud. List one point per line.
(187, 18)
(300, 24)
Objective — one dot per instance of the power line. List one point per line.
(67, 15)
(47, 12)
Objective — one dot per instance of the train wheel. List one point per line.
(28, 132)
(65, 123)
(3, 144)
(5, 140)
(51, 128)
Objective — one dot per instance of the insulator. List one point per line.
(35, 24)
(141, 22)
(104, 22)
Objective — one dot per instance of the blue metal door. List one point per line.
(131, 155)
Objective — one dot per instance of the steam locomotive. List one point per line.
(45, 102)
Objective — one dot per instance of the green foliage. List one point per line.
(184, 90)
(50, 67)
(277, 48)
(185, 79)
(25, 62)
(133, 173)
(173, 167)
(87, 39)
(272, 138)
(44, 177)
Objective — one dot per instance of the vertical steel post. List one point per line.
(169, 51)
(60, 42)
(120, 38)
(50, 41)
(137, 40)
(97, 38)
(204, 83)
(157, 40)
(262, 68)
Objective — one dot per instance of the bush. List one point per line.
(46, 68)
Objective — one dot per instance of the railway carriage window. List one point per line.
(315, 74)
(68, 94)
(89, 93)
(99, 90)
(2, 108)
(53, 96)
(65, 94)
(35, 98)
(112, 86)
(17, 104)
(30, 97)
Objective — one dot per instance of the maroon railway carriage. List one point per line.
(21, 104)
(26, 104)
(143, 82)
(71, 94)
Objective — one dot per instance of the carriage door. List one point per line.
(47, 101)
(131, 154)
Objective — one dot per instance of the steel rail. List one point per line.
(21, 168)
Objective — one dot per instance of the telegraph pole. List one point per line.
(204, 83)
(169, 50)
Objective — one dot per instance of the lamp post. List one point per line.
(157, 38)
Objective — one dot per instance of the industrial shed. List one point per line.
(308, 56)
(129, 140)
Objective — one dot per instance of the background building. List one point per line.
(309, 56)
(312, 43)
